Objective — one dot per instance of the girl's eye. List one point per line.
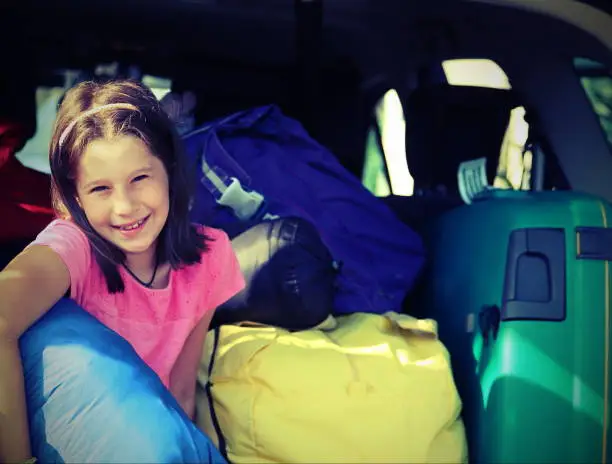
(139, 178)
(98, 189)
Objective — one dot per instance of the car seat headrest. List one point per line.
(447, 125)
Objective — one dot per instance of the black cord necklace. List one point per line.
(145, 284)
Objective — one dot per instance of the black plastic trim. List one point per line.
(535, 280)
(594, 243)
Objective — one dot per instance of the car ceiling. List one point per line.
(232, 43)
(373, 33)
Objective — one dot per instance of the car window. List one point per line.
(596, 80)
(386, 170)
(375, 177)
(35, 153)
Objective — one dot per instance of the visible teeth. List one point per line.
(132, 227)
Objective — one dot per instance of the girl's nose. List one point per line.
(123, 203)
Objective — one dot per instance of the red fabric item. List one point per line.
(20, 224)
(13, 137)
(25, 194)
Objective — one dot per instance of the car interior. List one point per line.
(403, 93)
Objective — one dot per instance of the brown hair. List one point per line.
(139, 115)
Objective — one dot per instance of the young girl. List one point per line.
(122, 247)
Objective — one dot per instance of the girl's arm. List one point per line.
(31, 284)
(184, 374)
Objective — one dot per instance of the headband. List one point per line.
(89, 112)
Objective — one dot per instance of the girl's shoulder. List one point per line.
(219, 249)
(61, 224)
(72, 245)
(220, 267)
(62, 232)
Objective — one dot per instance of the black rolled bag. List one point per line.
(290, 276)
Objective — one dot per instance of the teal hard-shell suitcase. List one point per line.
(520, 285)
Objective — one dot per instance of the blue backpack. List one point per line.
(260, 164)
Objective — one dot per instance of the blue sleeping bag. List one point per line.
(273, 155)
(91, 398)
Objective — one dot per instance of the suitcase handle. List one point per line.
(535, 287)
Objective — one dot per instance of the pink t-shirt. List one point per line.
(156, 322)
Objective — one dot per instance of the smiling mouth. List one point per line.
(132, 225)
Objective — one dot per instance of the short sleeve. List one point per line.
(70, 243)
(226, 278)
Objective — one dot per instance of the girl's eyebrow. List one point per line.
(142, 170)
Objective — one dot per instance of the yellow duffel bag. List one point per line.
(362, 388)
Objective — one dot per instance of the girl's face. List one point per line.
(123, 190)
